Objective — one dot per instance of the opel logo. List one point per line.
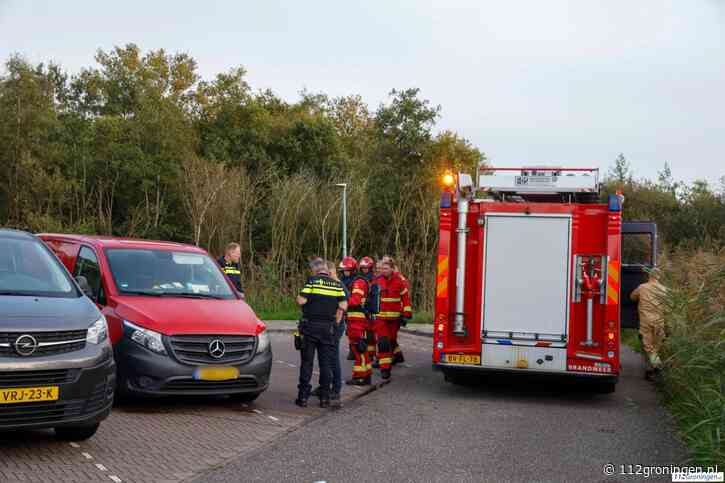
(25, 345)
(217, 349)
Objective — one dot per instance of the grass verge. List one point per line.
(693, 379)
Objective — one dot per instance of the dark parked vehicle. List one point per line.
(56, 361)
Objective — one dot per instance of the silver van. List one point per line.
(56, 363)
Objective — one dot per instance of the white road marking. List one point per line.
(257, 411)
(75, 445)
(273, 418)
(101, 467)
(87, 456)
(115, 478)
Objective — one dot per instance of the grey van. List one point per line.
(56, 362)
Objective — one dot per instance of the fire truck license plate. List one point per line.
(463, 359)
(28, 394)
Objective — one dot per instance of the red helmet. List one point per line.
(348, 263)
(367, 262)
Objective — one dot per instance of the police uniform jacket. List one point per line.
(232, 271)
(323, 295)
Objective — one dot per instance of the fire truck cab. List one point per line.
(529, 275)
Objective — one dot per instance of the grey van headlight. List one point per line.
(144, 337)
(97, 332)
(262, 341)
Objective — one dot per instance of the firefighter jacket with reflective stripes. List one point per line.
(358, 289)
(394, 298)
(323, 295)
(232, 271)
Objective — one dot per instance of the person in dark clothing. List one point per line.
(229, 264)
(323, 303)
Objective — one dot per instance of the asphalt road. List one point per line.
(420, 428)
(166, 439)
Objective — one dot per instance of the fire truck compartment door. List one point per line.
(526, 276)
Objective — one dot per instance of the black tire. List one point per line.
(455, 377)
(605, 387)
(244, 397)
(76, 433)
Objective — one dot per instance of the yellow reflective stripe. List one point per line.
(324, 291)
(407, 309)
(390, 300)
(397, 350)
(359, 368)
(385, 360)
(357, 290)
(389, 314)
(356, 314)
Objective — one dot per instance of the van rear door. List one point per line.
(639, 254)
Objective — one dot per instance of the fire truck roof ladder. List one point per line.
(545, 180)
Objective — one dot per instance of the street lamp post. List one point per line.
(344, 218)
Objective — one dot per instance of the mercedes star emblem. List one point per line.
(25, 345)
(217, 349)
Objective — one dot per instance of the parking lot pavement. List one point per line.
(169, 439)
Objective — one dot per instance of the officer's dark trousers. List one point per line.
(324, 346)
(335, 362)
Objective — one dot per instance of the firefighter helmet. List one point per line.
(367, 262)
(348, 263)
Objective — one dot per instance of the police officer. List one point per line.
(229, 264)
(323, 303)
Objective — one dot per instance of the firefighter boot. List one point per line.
(301, 402)
(356, 381)
(335, 401)
(398, 358)
(385, 374)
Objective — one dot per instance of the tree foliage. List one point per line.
(139, 145)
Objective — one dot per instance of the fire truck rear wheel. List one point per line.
(454, 377)
(607, 387)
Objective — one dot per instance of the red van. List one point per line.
(177, 325)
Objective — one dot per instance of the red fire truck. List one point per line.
(528, 279)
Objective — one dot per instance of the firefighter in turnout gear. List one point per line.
(229, 264)
(346, 276)
(394, 305)
(357, 323)
(406, 312)
(366, 267)
(367, 271)
(650, 297)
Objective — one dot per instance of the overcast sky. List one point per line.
(561, 82)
